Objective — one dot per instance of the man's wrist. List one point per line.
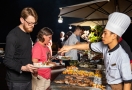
(23, 68)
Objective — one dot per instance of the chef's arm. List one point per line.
(127, 86)
(81, 46)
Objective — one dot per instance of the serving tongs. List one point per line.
(55, 56)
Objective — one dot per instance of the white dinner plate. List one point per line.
(43, 66)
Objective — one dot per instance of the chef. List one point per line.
(116, 60)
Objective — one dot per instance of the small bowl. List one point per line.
(100, 66)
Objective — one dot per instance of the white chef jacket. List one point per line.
(116, 61)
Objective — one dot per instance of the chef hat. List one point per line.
(118, 23)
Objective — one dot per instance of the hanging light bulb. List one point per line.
(70, 27)
(60, 20)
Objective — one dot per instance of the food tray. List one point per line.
(70, 87)
(64, 57)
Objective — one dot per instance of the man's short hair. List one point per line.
(29, 11)
(79, 27)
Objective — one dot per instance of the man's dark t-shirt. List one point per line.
(17, 54)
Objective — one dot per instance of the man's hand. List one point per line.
(35, 72)
(28, 68)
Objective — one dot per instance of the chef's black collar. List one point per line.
(116, 47)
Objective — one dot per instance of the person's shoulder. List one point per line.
(13, 32)
(36, 45)
(122, 51)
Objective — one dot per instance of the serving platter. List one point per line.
(64, 57)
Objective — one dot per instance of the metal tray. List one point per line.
(71, 87)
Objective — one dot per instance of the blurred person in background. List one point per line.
(18, 56)
(67, 35)
(73, 40)
(61, 40)
(40, 53)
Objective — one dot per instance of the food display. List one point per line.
(76, 80)
(72, 70)
(72, 75)
(73, 62)
(86, 65)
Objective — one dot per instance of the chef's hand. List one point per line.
(28, 68)
(65, 49)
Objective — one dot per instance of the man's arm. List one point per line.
(9, 54)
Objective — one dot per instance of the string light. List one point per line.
(60, 20)
(70, 27)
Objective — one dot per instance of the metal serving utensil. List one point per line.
(55, 56)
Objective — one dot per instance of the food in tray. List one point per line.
(73, 62)
(66, 81)
(70, 80)
(86, 65)
(98, 73)
(83, 84)
(66, 57)
(59, 81)
(81, 78)
(102, 87)
(73, 70)
(79, 73)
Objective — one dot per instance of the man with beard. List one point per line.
(18, 58)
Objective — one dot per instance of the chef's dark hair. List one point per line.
(44, 31)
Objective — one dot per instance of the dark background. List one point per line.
(48, 11)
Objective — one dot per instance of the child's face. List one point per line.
(107, 36)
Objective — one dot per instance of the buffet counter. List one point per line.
(58, 82)
(55, 71)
